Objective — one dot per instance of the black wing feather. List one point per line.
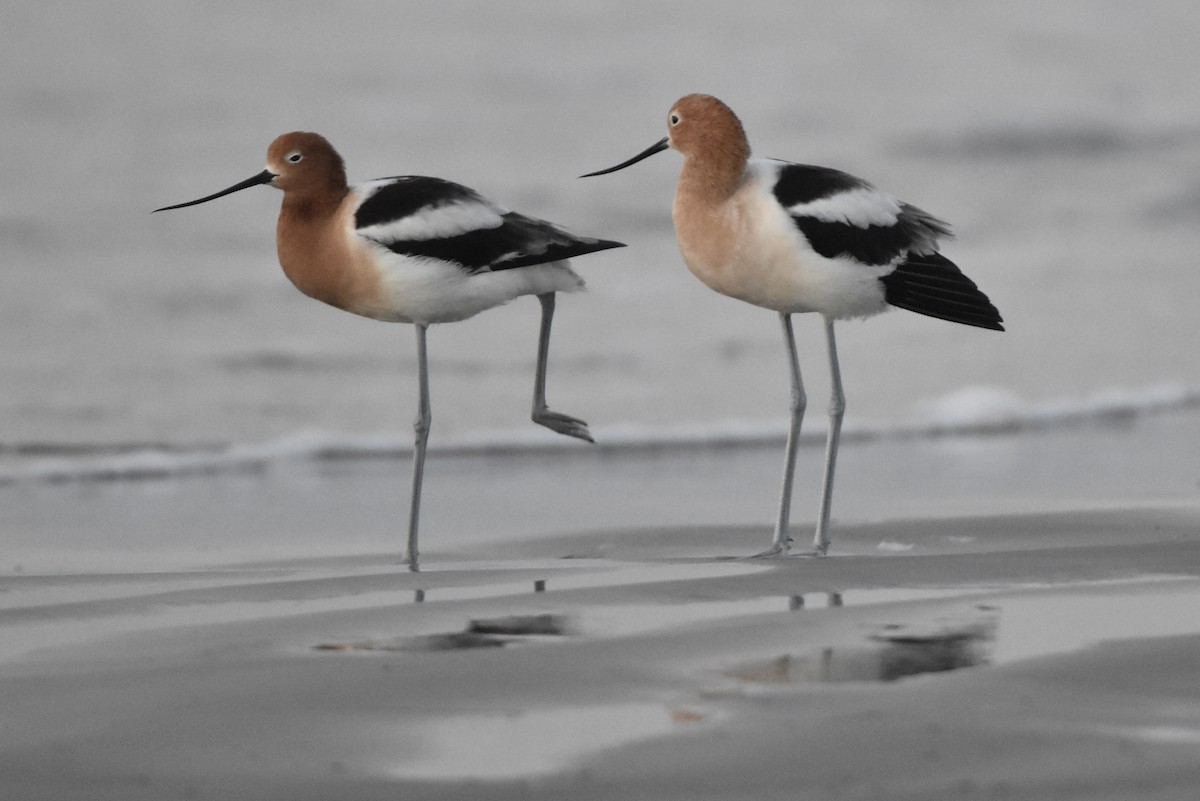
(932, 285)
(519, 241)
(408, 194)
(874, 245)
(804, 183)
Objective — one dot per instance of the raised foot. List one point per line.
(563, 424)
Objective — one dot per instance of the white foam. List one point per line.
(996, 408)
(967, 411)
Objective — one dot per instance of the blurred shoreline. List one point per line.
(145, 514)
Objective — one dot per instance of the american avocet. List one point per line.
(417, 250)
(797, 238)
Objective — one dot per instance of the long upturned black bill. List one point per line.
(264, 177)
(657, 147)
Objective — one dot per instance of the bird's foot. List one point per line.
(783, 551)
(813, 554)
(776, 551)
(562, 424)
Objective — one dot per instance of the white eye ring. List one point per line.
(295, 157)
(674, 119)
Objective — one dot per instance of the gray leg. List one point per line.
(421, 429)
(783, 540)
(561, 423)
(837, 408)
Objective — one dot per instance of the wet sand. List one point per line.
(1018, 644)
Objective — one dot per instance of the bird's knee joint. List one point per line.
(837, 405)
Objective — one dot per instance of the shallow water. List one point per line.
(537, 741)
(994, 631)
(1075, 618)
(1059, 139)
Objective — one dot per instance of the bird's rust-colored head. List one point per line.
(300, 163)
(703, 128)
(305, 163)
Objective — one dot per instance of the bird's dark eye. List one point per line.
(674, 119)
(295, 157)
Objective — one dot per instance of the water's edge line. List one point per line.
(102, 462)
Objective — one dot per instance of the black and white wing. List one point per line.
(433, 218)
(845, 217)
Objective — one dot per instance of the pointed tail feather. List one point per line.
(932, 285)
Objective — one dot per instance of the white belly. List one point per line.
(420, 290)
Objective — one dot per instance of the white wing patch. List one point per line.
(858, 207)
(437, 222)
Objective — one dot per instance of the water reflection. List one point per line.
(798, 602)
(493, 632)
(619, 619)
(884, 657)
